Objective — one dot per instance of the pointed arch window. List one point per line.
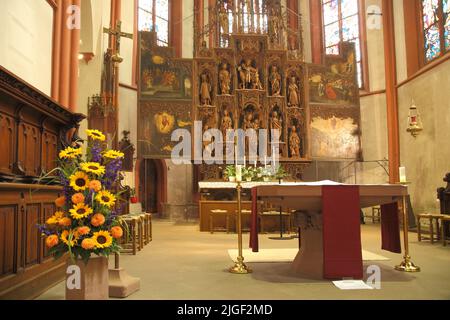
(153, 15)
(342, 22)
(436, 28)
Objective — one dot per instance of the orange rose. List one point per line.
(78, 198)
(95, 185)
(65, 222)
(116, 232)
(51, 241)
(82, 231)
(88, 244)
(60, 202)
(97, 220)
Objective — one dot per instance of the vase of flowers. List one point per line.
(248, 174)
(86, 224)
(280, 173)
(133, 197)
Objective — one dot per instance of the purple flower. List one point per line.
(66, 188)
(112, 172)
(96, 151)
(43, 230)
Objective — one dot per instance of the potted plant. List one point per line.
(230, 173)
(248, 174)
(133, 197)
(85, 223)
(266, 175)
(280, 174)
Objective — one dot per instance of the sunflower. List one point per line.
(79, 181)
(70, 153)
(80, 211)
(113, 154)
(57, 216)
(66, 235)
(96, 135)
(106, 198)
(102, 239)
(93, 167)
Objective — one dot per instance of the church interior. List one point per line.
(346, 197)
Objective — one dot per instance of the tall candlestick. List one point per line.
(402, 174)
(265, 162)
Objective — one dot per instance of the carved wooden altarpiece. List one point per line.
(248, 71)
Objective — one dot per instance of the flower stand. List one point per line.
(121, 284)
(87, 281)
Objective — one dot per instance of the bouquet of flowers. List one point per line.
(86, 221)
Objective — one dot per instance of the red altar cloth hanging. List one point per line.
(390, 234)
(342, 252)
(254, 227)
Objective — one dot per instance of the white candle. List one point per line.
(402, 174)
(238, 173)
(265, 162)
(273, 156)
(256, 163)
(245, 160)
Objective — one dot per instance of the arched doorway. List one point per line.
(152, 189)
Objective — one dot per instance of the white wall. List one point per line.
(26, 41)
(306, 25)
(188, 29)
(126, 45)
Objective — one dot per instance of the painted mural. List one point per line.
(165, 97)
(335, 138)
(335, 82)
(161, 75)
(156, 123)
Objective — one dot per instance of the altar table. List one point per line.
(330, 228)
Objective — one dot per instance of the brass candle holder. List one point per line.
(406, 265)
(239, 267)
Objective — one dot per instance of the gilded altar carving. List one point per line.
(293, 93)
(248, 72)
(294, 143)
(205, 89)
(224, 79)
(249, 75)
(275, 81)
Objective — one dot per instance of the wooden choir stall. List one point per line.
(33, 129)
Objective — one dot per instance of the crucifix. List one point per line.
(110, 82)
(117, 34)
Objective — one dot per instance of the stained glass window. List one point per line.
(436, 28)
(341, 23)
(153, 15)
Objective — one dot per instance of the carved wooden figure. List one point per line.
(276, 123)
(224, 79)
(226, 124)
(275, 81)
(205, 90)
(293, 93)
